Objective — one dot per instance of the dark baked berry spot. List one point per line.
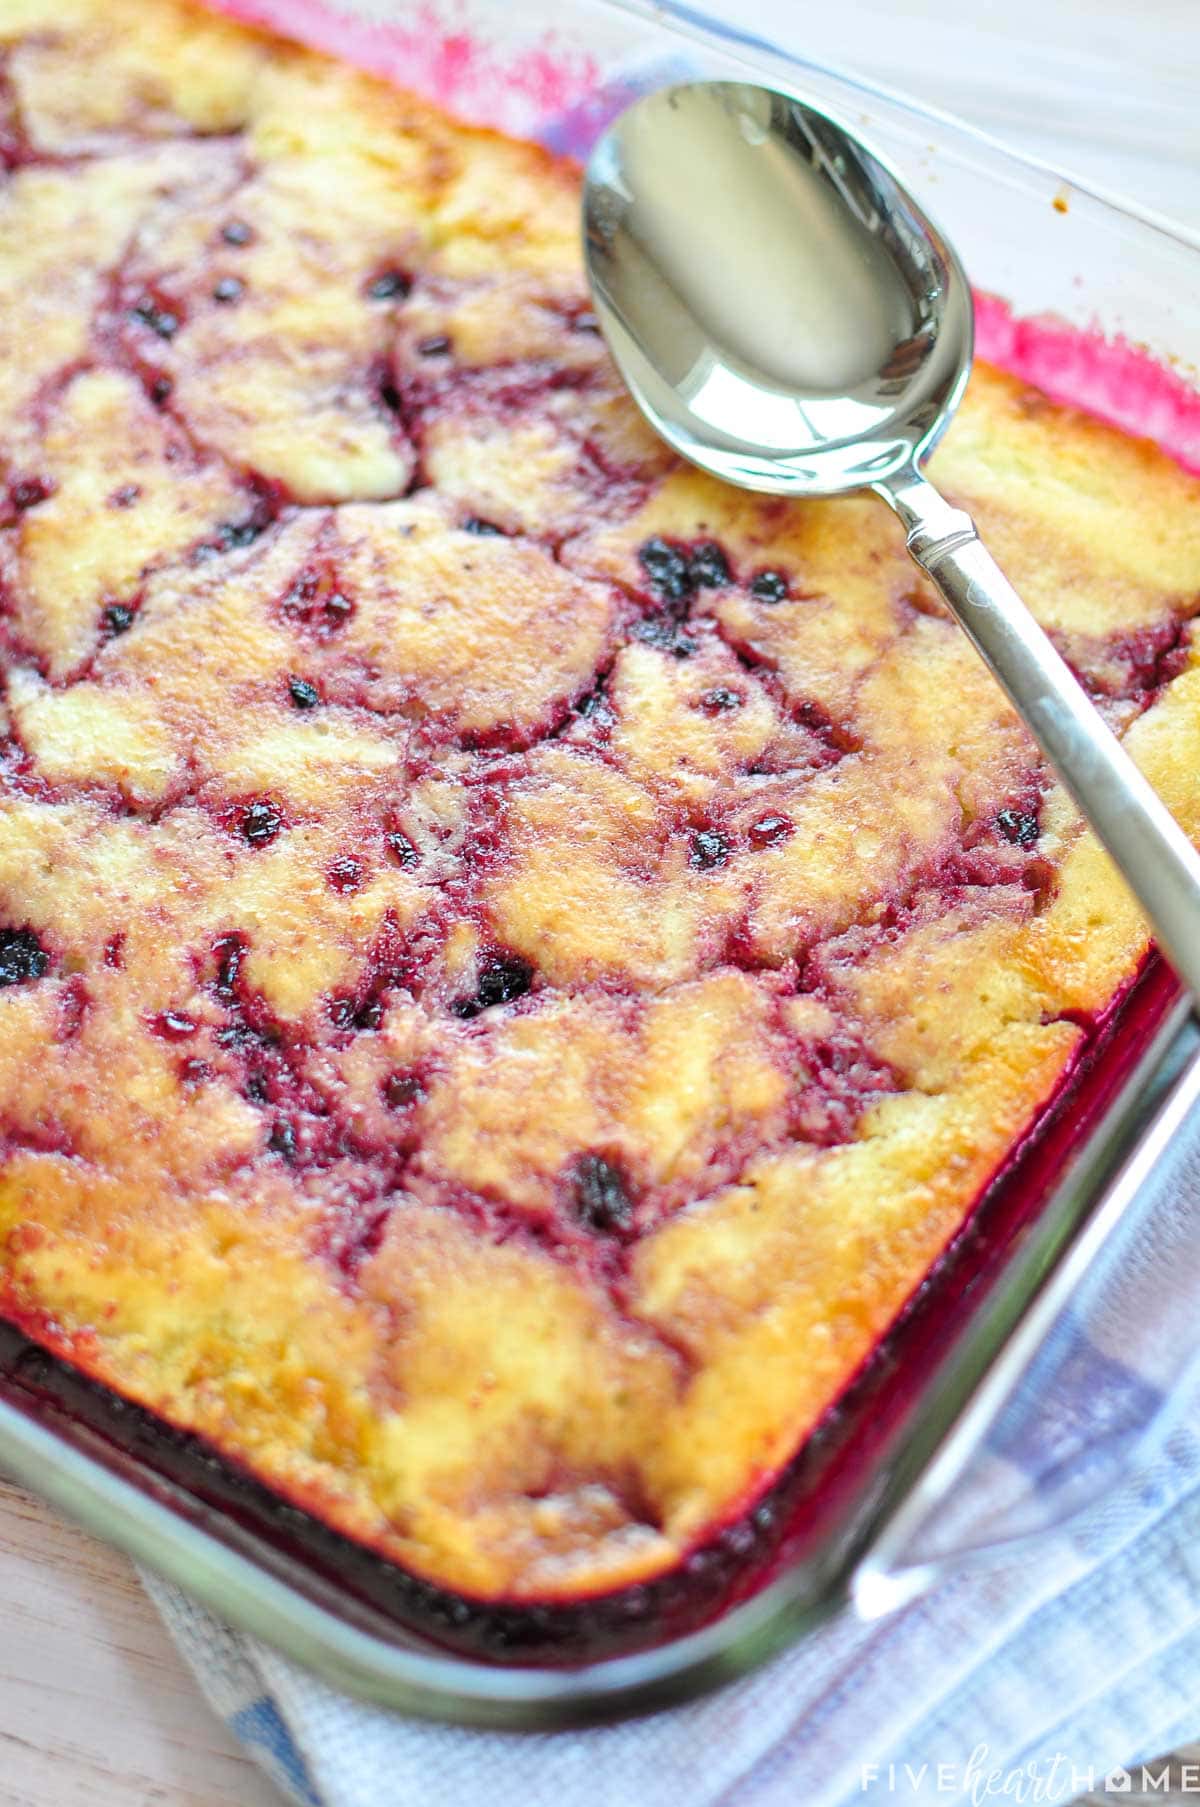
(161, 320)
(126, 496)
(390, 285)
(502, 979)
(369, 1014)
(117, 618)
(708, 849)
(237, 232)
(260, 823)
(303, 694)
(677, 572)
(601, 1196)
(435, 346)
(353, 1013)
(1019, 826)
(718, 700)
(193, 1071)
(228, 290)
(769, 831)
(114, 951)
(401, 849)
(667, 569)
(27, 492)
(594, 704)
(770, 586)
(160, 389)
(232, 536)
(484, 529)
(174, 1025)
(402, 1089)
(345, 876)
(709, 566)
(282, 1140)
(228, 953)
(22, 956)
(665, 632)
(314, 600)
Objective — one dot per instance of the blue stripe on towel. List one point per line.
(1076, 1404)
(260, 1725)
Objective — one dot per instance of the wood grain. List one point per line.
(96, 1708)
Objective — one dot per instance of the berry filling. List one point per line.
(502, 979)
(22, 956)
(770, 586)
(259, 823)
(600, 1196)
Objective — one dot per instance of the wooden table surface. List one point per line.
(96, 1709)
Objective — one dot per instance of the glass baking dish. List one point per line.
(847, 1522)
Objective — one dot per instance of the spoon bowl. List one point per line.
(789, 319)
(782, 310)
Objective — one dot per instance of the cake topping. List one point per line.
(27, 492)
(400, 1090)
(770, 586)
(22, 956)
(720, 699)
(260, 823)
(117, 617)
(668, 569)
(502, 979)
(601, 1197)
(708, 565)
(175, 1025)
(768, 831)
(390, 285)
(708, 848)
(161, 320)
(1020, 826)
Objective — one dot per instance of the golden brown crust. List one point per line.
(515, 958)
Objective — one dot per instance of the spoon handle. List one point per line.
(1155, 857)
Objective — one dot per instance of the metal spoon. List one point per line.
(788, 319)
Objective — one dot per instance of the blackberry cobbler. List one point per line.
(514, 958)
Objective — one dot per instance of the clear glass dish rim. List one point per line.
(424, 1682)
(693, 22)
